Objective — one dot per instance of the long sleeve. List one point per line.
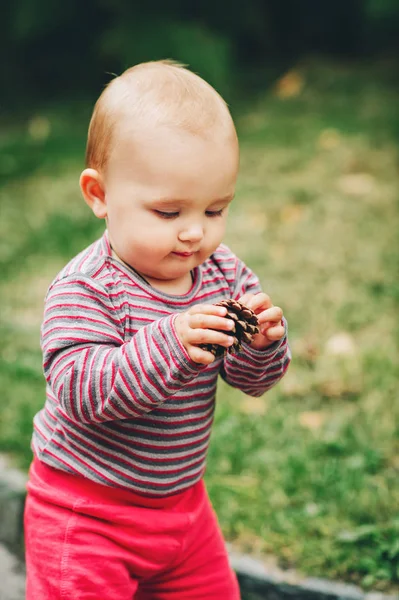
(93, 373)
(254, 371)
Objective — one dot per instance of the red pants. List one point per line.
(85, 541)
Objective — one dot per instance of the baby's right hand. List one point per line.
(198, 326)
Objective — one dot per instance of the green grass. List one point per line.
(309, 472)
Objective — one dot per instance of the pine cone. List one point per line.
(246, 326)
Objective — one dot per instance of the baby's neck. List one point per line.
(175, 287)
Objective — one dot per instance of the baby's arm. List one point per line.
(94, 374)
(258, 367)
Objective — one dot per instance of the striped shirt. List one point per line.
(125, 405)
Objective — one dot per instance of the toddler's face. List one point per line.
(167, 195)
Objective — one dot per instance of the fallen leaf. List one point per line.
(341, 344)
(357, 184)
(339, 387)
(312, 419)
(306, 349)
(290, 85)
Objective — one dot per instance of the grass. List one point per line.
(308, 474)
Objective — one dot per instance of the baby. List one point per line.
(116, 507)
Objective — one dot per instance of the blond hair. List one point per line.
(158, 92)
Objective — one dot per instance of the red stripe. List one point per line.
(80, 400)
(87, 318)
(184, 407)
(173, 434)
(61, 358)
(81, 340)
(79, 282)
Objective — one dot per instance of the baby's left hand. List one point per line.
(269, 317)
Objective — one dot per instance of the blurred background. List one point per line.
(307, 476)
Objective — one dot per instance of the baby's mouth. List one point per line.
(183, 254)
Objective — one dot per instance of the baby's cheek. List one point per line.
(156, 247)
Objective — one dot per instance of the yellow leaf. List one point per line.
(306, 349)
(253, 406)
(312, 419)
(290, 85)
(292, 213)
(357, 184)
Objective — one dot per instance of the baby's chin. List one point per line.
(174, 267)
(169, 277)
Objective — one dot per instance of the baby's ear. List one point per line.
(93, 192)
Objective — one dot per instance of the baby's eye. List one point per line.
(214, 213)
(166, 215)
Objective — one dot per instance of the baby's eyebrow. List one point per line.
(164, 201)
(227, 198)
(173, 201)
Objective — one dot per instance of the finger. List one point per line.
(200, 356)
(275, 333)
(275, 313)
(201, 321)
(209, 336)
(257, 301)
(268, 325)
(208, 309)
(245, 299)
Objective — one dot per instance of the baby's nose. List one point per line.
(194, 233)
